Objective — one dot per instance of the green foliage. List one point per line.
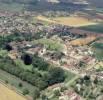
(88, 88)
(40, 63)
(36, 93)
(50, 44)
(57, 93)
(20, 85)
(51, 76)
(44, 97)
(63, 88)
(98, 45)
(56, 75)
(98, 50)
(6, 81)
(25, 91)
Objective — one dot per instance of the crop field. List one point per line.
(94, 28)
(98, 51)
(83, 41)
(70, 21)
(8, 94)
(11, 7)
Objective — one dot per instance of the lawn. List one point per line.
(21, 64)
(50, 44)
(69, 75)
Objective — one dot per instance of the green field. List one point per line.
(99, 10)
(98, 50)
(11, 7)
(21, 64)
(93, 28)
(50, 44)
(14, 81)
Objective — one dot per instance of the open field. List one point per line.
(98, 51)
(93, 28)
(20, 63)
(83, 41)
(14, 81)
(50, 44)
(70, 21)
(11, 7)
(8, 94)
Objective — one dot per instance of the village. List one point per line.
(66, 47)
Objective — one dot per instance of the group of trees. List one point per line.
(51, 76)
(84, 85)
(27, 59)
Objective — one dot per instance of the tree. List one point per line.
(40, 63)
(20, 85)
(6, 81)
(57, 93)
(44, 97)
(27, 59)
(25, 91)
(36, 93)
(86, 77)
(8, 47)
(63, 88)
(55, 75)
(96, 80)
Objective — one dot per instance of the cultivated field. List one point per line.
(70, 21)
(8, 94)
(82, 41)
(93, 28)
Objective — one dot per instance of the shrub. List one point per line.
(25, 91)
(6, 81)
(36, 93)
(20, 85)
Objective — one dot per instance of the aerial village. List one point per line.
(68, 47)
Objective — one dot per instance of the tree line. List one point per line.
(51, 76)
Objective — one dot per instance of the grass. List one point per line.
(93, 28)
(89, 91)
(98, 51)
(14, 81)
(3, 53)
(70, 21)
(69, 75)
(50, 44)
(6, 93)
(70, 78)
(11, 7)
(99, 10)
(21, 64)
